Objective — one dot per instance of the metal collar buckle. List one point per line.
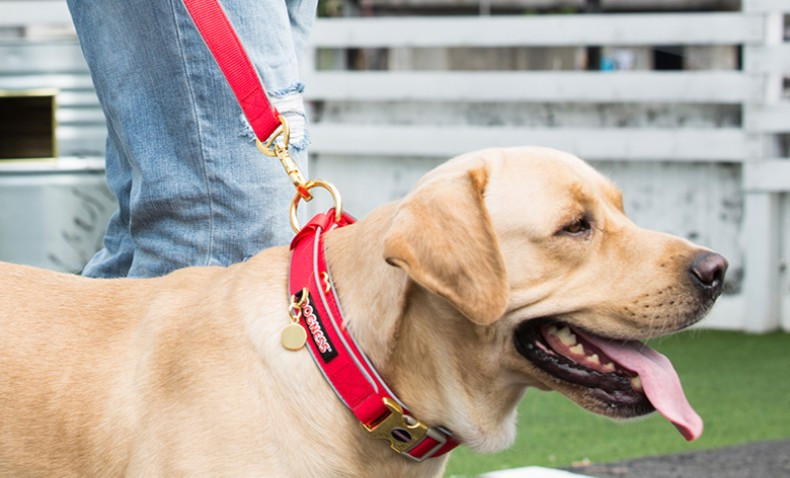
(404, 432)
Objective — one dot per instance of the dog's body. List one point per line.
(185, 374)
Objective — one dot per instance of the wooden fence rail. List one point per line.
(542, 30)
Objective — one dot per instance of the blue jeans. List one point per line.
(192, 188)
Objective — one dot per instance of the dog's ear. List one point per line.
(442, 237)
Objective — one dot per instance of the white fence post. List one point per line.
(761, 207)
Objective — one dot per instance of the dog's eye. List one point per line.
(579, 227)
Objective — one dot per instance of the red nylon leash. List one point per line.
(221, 39)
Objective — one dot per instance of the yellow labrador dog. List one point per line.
(504, 269)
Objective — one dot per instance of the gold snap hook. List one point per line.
(279, 150)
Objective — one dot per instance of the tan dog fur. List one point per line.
(184, 375)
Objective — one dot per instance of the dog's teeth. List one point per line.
(609, 367)
(578, 349)
(566, 336)
(636, 382)
(594, 359)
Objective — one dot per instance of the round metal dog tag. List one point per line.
(293, 337)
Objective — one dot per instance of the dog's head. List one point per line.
(534, 276)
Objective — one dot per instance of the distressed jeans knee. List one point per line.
(290, 104)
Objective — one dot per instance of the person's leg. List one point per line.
(115, 258)
(193, 188)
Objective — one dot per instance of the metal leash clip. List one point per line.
(279, 150)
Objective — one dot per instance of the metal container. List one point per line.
(53, 214)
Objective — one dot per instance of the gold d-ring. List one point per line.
(269, 148)
(308, 186)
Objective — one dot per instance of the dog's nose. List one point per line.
(709, 268)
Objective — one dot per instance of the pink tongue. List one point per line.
(659, 379)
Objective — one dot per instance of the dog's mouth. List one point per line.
(621, 378)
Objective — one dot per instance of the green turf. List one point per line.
(738, 383)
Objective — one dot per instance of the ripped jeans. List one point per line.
(191, 186)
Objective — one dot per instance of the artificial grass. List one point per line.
(738, 383)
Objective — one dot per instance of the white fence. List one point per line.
(744, 87)
(751, 145)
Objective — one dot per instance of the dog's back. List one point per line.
(80, 359)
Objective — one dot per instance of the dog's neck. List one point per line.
(354, 259)
(407, 340)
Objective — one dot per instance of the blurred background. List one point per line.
(684, 103)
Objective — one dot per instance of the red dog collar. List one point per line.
(314, 304)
